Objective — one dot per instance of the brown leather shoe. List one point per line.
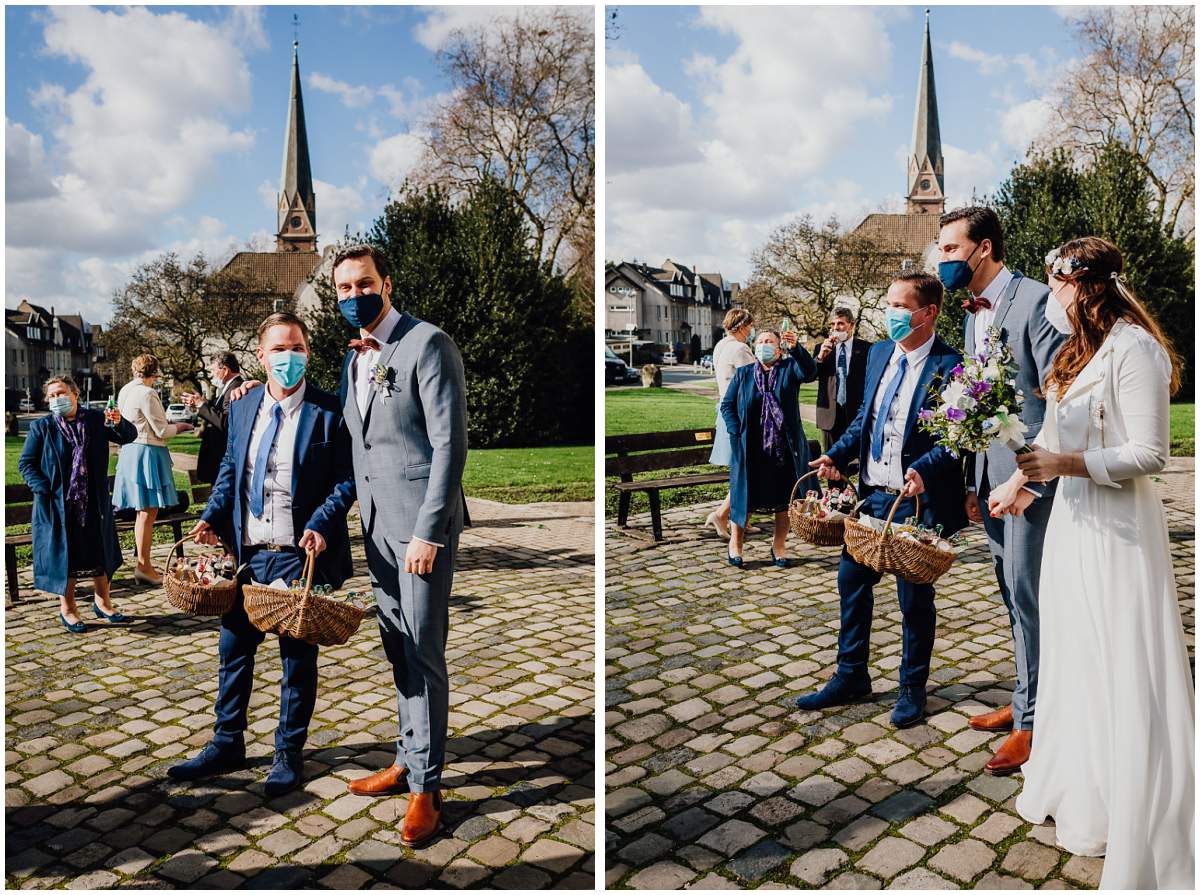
(387, 782)
(1013, 753)
(998, 720)
(422, 819)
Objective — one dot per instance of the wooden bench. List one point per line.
(655, 451)
(22, 512)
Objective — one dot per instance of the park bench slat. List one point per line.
(678, 481)
(650, 441)
(674, 459)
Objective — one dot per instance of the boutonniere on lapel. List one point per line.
(381, 380)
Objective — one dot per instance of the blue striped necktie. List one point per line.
(841, 374)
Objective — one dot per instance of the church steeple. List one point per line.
(296, 202)
(926, 175)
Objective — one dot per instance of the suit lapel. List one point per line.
(386, 352)
(304, 429)
(350, 392)
(1006, 301)
(254, 402)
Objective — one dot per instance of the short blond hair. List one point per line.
(736, 318)
(145, 365)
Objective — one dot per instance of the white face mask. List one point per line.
(1056, 314)
(841, 335)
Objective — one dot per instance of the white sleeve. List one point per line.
(157, 419)
(1143, 375)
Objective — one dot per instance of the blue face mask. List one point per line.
(288, 367)
(899, 323)
(61, 405)
(956, 274)
(765, 352)
(361, 310)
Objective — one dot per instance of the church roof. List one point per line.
(911, 234)
(273, 273)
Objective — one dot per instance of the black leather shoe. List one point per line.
(839, 691)
(782, 561)
(735, 561)
(910, 706)
(285, 773)
(212, 760)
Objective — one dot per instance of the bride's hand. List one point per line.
(1015, 504)
(1040, 465)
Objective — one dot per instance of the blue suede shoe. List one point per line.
(839, 691)
(735, 561)
(74, 627)
(910, 706)
(285, 773)
(116, 618)
(212, 760)
(782, 561)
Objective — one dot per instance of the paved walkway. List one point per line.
(93, 721)
(715, 781)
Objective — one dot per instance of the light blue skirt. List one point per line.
(722, 451)
(144, 478)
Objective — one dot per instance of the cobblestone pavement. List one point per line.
(93, 721)
(713, 778)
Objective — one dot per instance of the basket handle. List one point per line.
(309, 566)
(849, 484)
(895, 505)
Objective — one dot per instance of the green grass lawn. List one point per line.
(530, 475)
(1183, 430)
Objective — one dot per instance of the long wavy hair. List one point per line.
(1096, 266)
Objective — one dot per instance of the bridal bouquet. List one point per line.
(980, 403)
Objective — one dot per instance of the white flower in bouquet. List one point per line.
(1011, 430)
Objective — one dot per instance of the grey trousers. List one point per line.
(414, 619)
(1016, 545)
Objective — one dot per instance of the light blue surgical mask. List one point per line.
(899, 324)
(765, 352)
(61, 405)
(288, 367)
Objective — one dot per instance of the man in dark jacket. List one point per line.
(226, 373)
(841, 375)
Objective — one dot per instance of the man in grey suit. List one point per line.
(404, 398)
(971, 242)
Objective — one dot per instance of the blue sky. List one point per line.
(130, 131)
(723, 123)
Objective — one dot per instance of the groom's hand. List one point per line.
(825, 468)
(913, 484)
(419, 557)
(312, 540)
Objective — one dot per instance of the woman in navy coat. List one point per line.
(65, 464)
(761, 409)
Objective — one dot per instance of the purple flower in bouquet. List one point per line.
(955, 415)
(926, 414)
(981, 388)
(957, 371)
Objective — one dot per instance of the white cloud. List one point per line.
(354, 96)
(648, 126)
(125, 156)
(392, 159)
(970, 173)
(1021, 124)
(25, 173)
(341, 207)
(245, 27)
(989, 63)
(440, 23)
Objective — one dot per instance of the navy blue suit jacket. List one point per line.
(945, 494)
(322, 478)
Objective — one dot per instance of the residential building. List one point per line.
(38, 344)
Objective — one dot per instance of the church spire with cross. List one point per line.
(296, 202)
(926, 167)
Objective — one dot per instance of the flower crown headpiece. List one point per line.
(1062, 267)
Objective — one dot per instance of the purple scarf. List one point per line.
(76, 498)
(774, 440)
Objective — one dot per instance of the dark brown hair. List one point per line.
(362, 250)
(928, 288)
(282, 318)
(982, 223)
(1103, 300)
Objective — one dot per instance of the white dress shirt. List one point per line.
(993, 292)
(275, 524)
(888, 470)
(366, 360)
(361, 370)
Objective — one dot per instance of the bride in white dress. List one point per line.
(1113, 752)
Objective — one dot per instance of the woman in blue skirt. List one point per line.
(145, 481)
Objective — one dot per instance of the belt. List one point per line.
(274, 548)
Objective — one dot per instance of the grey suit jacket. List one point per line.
(410, 447)
(1021, 319)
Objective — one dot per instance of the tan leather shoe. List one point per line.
(1013, 753)
(998, 720)
(387, 782)
(422, 819)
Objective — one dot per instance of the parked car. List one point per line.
(97, 405)
(27, 406)
(616, 371)
(668, 359)
(179, 413)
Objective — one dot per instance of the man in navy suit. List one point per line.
(284, 487)
(896, 459)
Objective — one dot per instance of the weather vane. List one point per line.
(295, 29)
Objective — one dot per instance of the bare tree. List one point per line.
(1136, 85)
(181, 313)
(804, 270)
(523, 111)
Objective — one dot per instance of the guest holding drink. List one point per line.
(729, 354)
(65, 464)
(769, 451)
(144, 479)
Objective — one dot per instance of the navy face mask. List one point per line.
(956, 274)
(361, 310)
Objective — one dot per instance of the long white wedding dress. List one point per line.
(1113, 744)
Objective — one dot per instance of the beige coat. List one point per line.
(142, 406)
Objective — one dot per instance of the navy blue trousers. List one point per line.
(856, 586)
(239, 643)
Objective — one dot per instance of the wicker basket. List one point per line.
(309, 617)
(198, 599)
(807, 527)
(885, 552)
